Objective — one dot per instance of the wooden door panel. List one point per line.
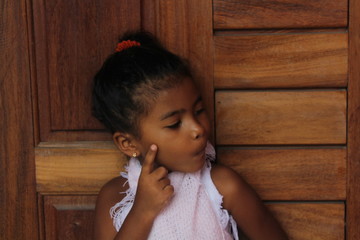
(290, 173)
(69, 217)
(72, 39)
(280, 117)
(281, 60)
(255, 14)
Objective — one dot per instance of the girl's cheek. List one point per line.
(207, 125)
(159, 158)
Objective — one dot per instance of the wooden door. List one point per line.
(279, 79)
(74, 156)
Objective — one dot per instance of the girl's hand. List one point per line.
(154, 190)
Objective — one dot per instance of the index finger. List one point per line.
(148, 164)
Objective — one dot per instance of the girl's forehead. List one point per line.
(182, 96)
(185, 90)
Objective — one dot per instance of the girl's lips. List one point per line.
(202, 151)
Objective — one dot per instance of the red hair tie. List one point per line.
(125, 45)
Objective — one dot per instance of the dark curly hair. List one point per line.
(130, 80)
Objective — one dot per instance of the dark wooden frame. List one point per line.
(353, 172)
(18, 210)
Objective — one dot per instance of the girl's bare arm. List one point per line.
(108, 197)
(245, 206)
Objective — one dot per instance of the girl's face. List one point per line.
(179, 126)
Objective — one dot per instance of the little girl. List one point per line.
(172, 189)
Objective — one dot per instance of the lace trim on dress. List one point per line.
(120, 210)
(226, 220)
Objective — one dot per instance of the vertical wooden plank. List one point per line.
(18, 211)
(41, 217)
(185, 27)
(353, 197)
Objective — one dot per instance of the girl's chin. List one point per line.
(189, 169)
(198, 166)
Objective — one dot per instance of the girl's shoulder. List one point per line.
(225, 178)
(245, 206)
(229, 184)
(110, 194)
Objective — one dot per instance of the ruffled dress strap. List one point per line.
(226, 220)
(120, 210)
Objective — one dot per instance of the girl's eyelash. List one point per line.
(199, 111)
(178, 123)
(175, 125)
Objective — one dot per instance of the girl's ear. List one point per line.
(126, 143)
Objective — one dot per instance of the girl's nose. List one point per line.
(198, 131)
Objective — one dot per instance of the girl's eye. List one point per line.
(201, 110)
(175, 125)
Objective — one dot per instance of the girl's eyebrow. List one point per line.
(170, 114)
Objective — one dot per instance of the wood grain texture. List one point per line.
(18, 207)
(303, 221)
(290, 174)
(71, 42)
(76, 170)
(280, 117)
(69, 217)
(245, 14)
(353, 203)
(185, 27)
(281, 60)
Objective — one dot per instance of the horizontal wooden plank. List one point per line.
(280, 117)
(245, 14)
(310, 174)
(303, 221)
(281, 60)
(69, 170)
(290, 174)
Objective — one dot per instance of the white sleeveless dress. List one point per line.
(194, 212)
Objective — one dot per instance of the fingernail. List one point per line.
(153, 147)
